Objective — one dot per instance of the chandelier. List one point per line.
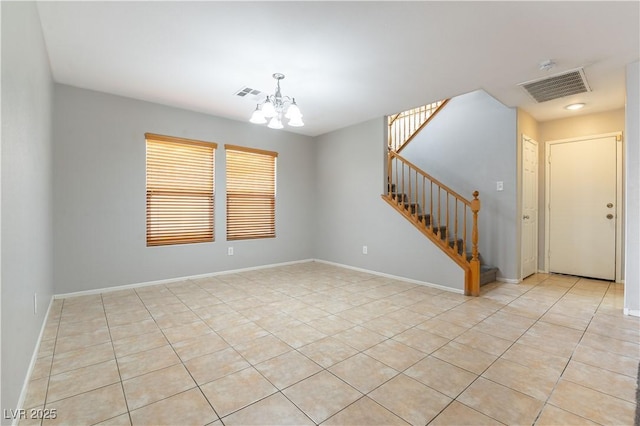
(275, 107)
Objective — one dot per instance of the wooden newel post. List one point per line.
(475, 260)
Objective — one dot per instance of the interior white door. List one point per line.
(582, 207)
(529, 252)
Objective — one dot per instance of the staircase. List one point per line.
(449, 220)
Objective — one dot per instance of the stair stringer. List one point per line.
(443, 245)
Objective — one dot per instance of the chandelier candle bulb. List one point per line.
(268, 109)
(293, 112)
(275, 123)
(258, 116)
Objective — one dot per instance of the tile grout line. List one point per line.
(489, 366)
(500, 356)
(323, 369)
(326, 369)
(251, 365)
(544, 403)
(53, 355)
(115, 357)
(181, 361)
(571, 357)
(280, 391)
(539, 319)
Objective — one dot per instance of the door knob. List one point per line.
(609, 216)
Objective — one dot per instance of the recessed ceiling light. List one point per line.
(574, 107)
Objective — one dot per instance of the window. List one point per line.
(251, 193)
(180, 190)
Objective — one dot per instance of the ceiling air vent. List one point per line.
(248, 93)
(557, 86)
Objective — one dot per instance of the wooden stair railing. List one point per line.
(449, 220)
(406, 124)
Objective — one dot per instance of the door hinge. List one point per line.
(619, 138)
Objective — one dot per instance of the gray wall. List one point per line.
(632, 191)
(26, 192)
(350, 212)
(99, 189)
(470, 145)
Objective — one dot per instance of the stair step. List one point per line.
(452, 244)
(412, 207)
(443, 232)
(440, 230)
(425, 217)
(487, 274)
(396, 196)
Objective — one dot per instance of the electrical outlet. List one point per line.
(230, 251)
(364, 250)
(499, 185)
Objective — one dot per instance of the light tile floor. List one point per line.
(313, 343)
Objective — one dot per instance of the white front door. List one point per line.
(582, 207)
(529, 252)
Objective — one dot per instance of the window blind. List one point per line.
(180, 190)
(251, 193)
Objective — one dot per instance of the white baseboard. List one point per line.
(173, 280)
(395, 277)
(508, 280)
(253, 268)
(34, 358)
(632, 312)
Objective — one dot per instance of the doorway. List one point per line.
(529, 240)
(583, 197)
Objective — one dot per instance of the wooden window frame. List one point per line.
(251, 194)
(180, 190)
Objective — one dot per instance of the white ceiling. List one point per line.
(345, 62)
